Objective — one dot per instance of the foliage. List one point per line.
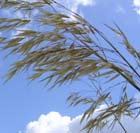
(66, 48)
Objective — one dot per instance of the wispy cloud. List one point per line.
(54, 122)
(121, 10)
(136, 4)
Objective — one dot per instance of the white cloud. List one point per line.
(54, 122)
(75, 4)
(50, 123)
(136, 4)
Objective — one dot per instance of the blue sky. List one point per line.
(21, 103)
